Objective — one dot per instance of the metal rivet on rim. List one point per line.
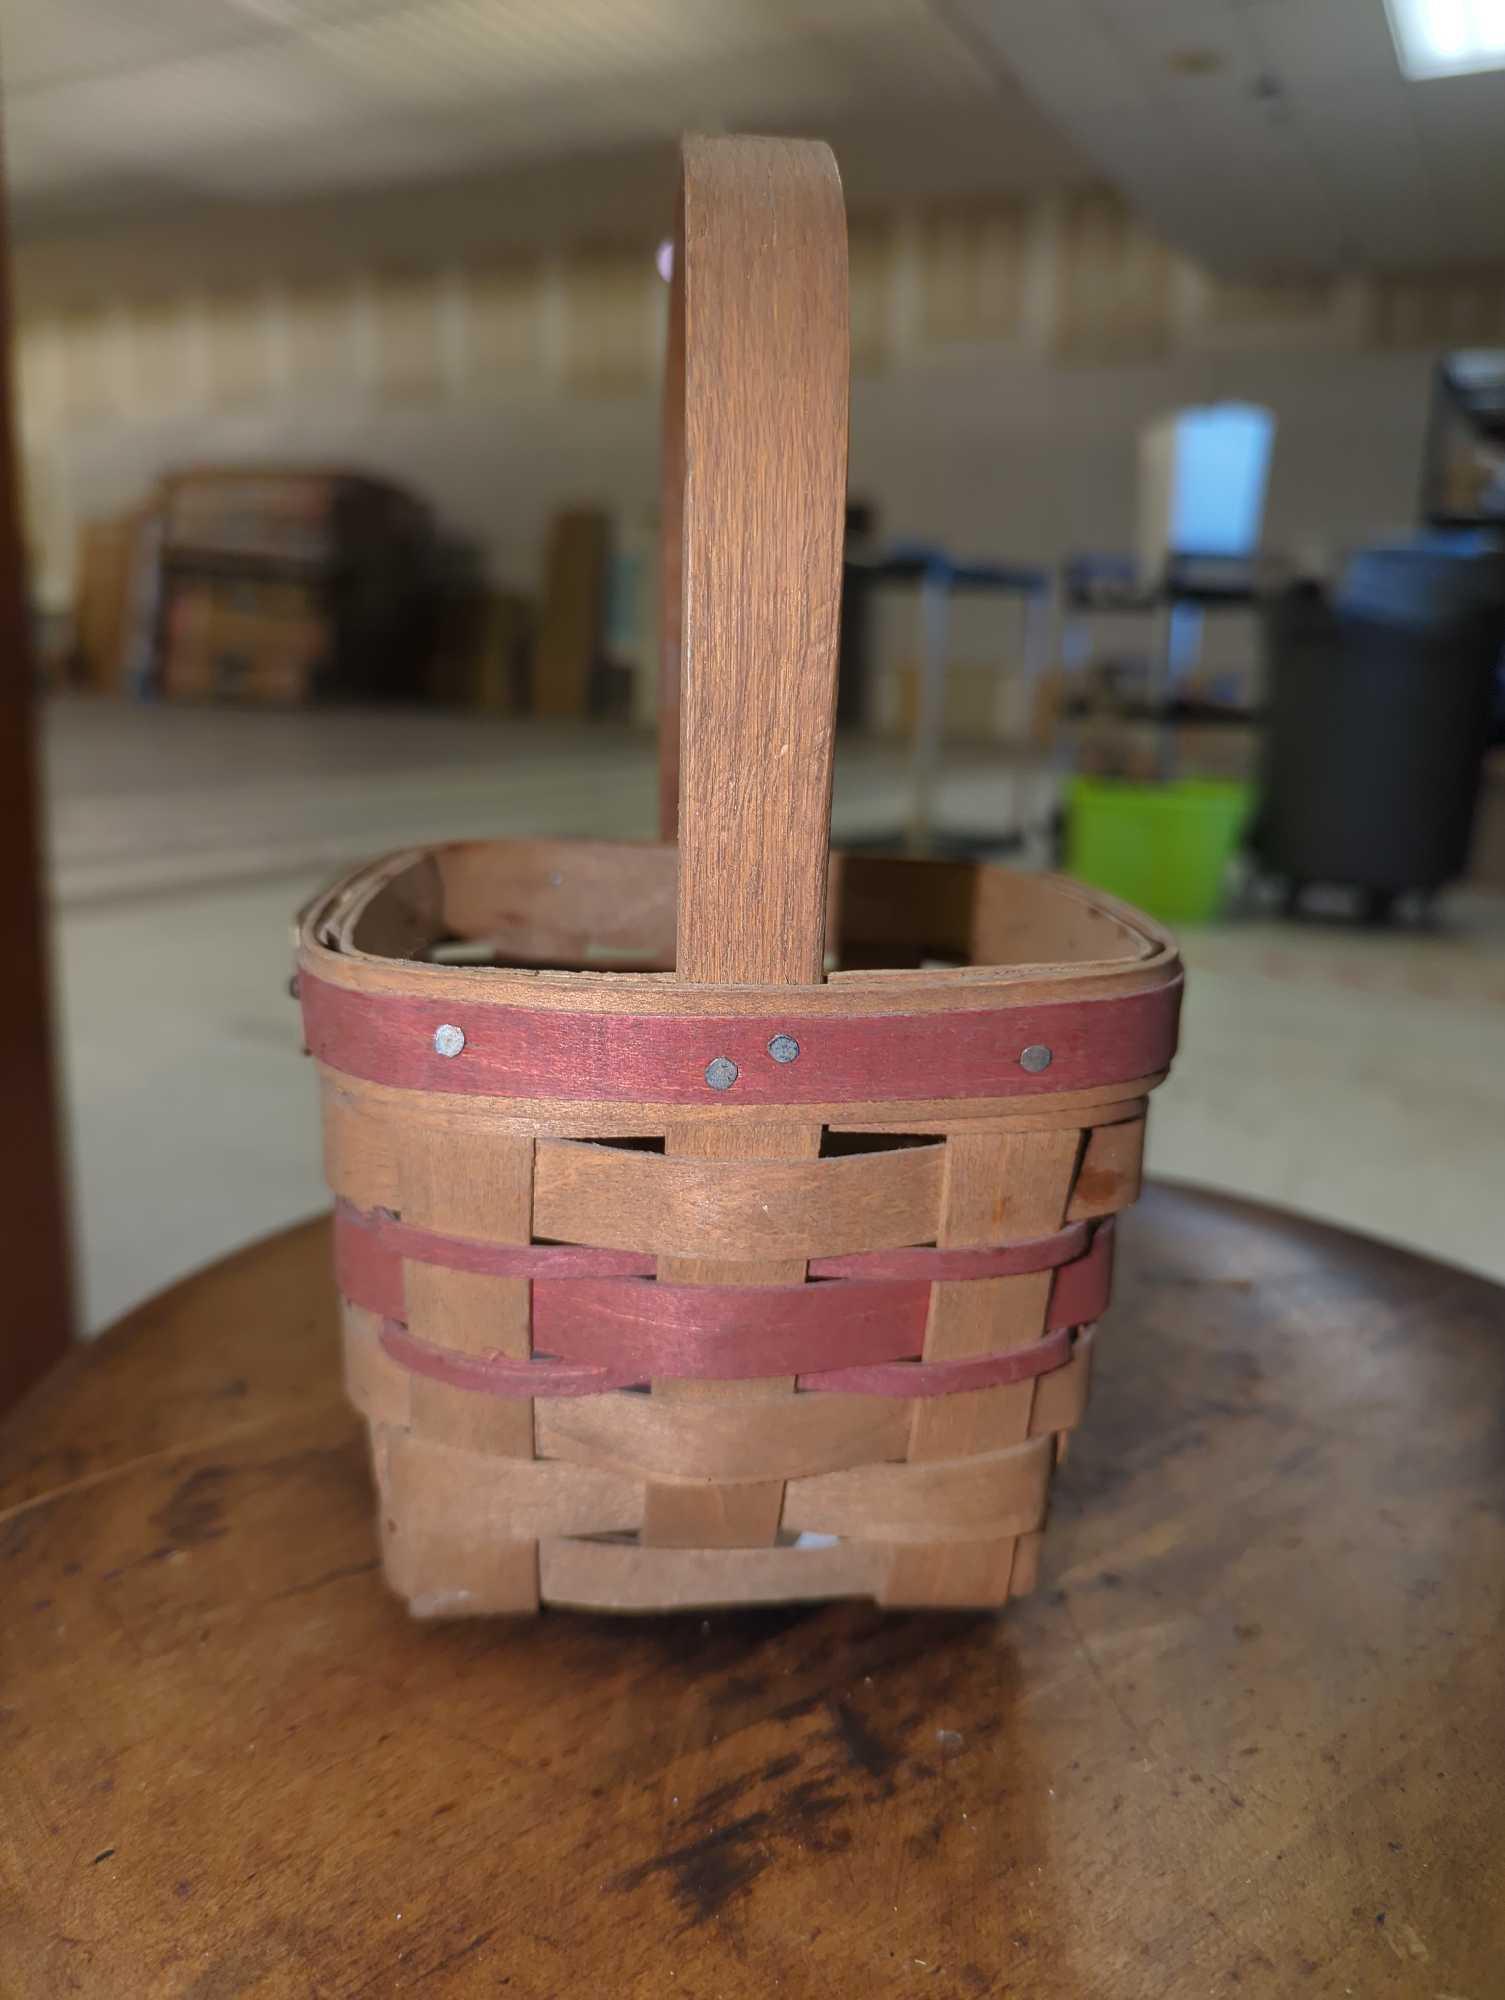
(448, 1040)
(1035, 1058)
(783, 1048)
(721, 1073)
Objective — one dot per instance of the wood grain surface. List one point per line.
(742, 1211)
(756, 423)
(764, 269)
(1246, 1738)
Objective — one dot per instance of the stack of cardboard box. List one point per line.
(247, 639)
(281, 586)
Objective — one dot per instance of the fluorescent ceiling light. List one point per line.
(1447, 37)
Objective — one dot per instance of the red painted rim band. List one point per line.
(388, 1038)
(550, 1375)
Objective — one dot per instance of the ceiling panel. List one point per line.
(46, 42)
(1151, 33)
(69, 38)
(1322, 41)
(267, 93)
(1371, 158)
(1267, 133)
(118, 103)
(1252, 133)
(1069, 56)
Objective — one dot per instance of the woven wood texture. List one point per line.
(663, 1408)
(762, 1259)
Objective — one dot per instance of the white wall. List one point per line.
(1019, 445)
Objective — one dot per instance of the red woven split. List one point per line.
(370, 1247)
(549, 1375)
(863, 1337)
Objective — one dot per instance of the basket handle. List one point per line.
(755, 448)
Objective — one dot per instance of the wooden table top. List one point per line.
(1248, 1736)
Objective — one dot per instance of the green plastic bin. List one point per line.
(1164, 848)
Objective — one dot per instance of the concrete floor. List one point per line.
(1356, 1076)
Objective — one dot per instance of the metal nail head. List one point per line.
(721, 1073)
(1035, 1058)
(448, 1040)
(783, 1048)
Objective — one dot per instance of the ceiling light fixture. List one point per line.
(1447, 37)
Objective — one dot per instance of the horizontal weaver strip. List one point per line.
(674, 1438)
(991, 1493)
(552, 1375)
(370, 1246)
(605, 1333)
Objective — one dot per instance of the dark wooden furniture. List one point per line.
(1246, 1738)
(36, 1316)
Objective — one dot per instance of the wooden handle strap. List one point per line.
(755, 448)
(763, 264)
(758, 338)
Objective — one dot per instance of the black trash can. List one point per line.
(1375, 735)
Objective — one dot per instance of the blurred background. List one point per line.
(1176, 540)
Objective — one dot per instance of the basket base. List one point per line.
(456, 1569)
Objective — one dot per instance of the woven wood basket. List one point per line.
(724, 1271)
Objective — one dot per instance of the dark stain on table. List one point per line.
(861, 1741)
(707, 1872)
(195, 1509)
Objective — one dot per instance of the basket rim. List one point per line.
(324, 942)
